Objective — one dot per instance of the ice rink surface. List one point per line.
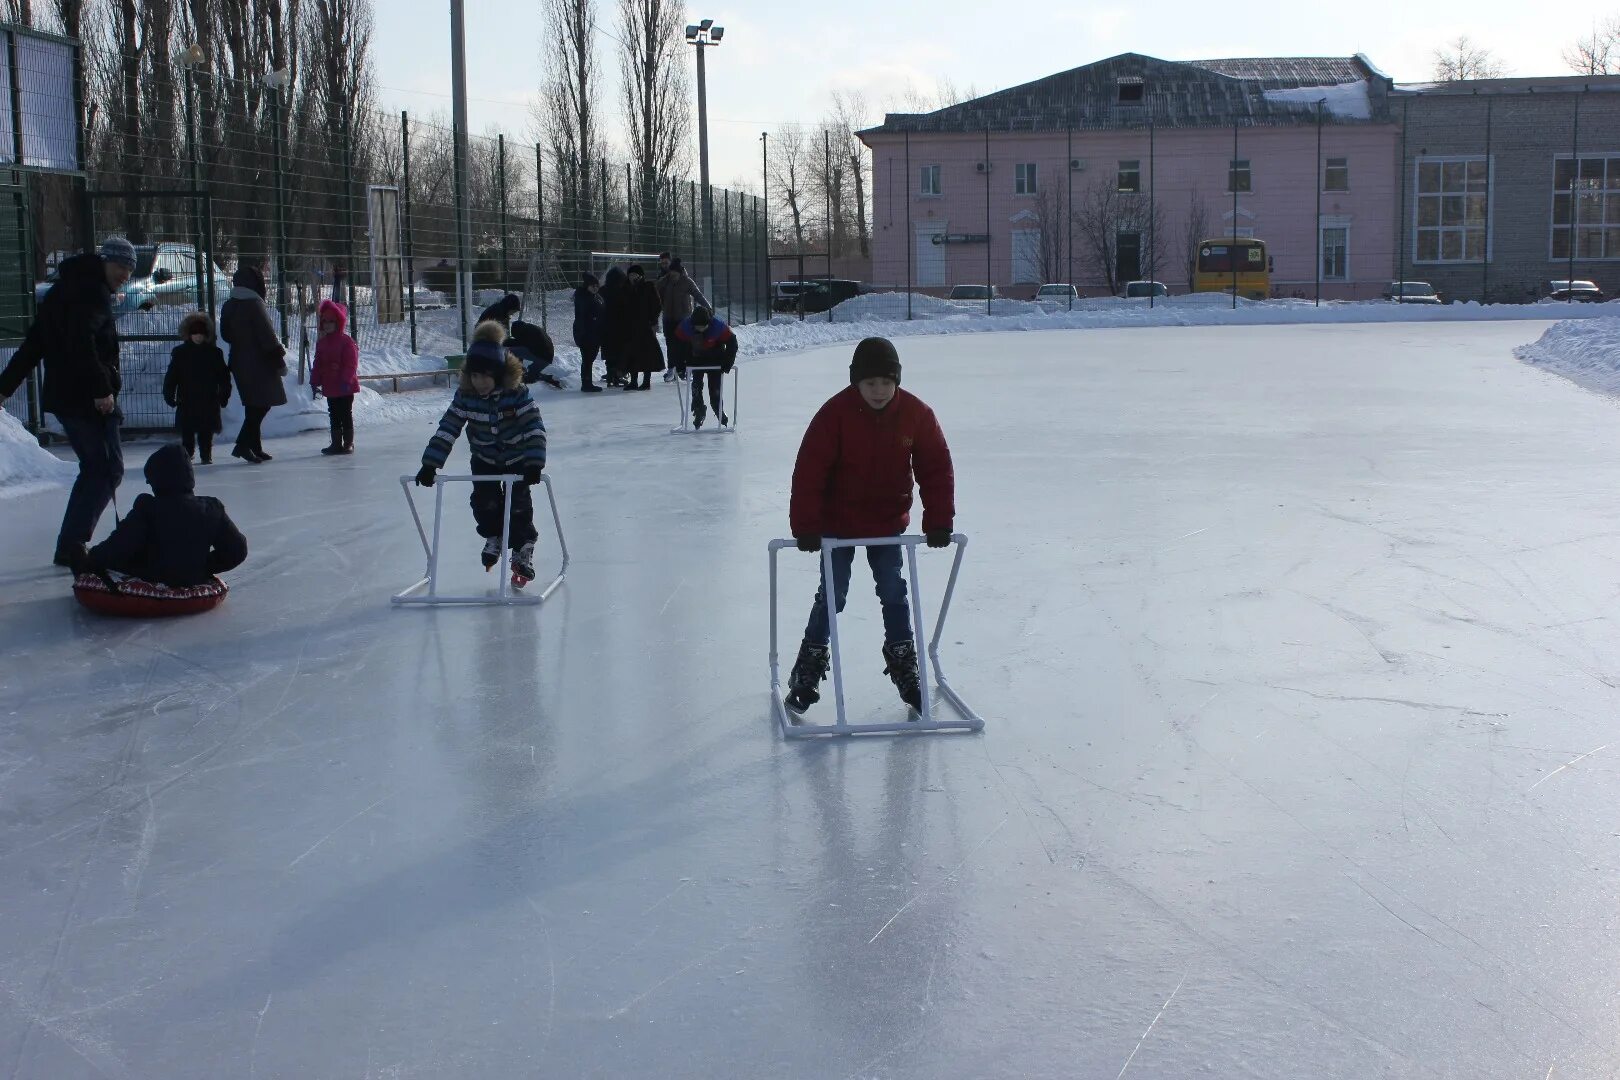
(1297, 654)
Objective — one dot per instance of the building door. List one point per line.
(930, 261)
(1128, 257)
(1026, 251)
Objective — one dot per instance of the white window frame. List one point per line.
(1605, 195)
(1026, 178)
(1119, 172)
(1336, 225)
(926, 173)
(1327, 168)
(1417, 210)
(1232, 171)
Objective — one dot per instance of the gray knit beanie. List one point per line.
(115, 249)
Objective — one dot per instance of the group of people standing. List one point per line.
(619, 319)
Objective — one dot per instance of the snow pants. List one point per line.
(488, 498)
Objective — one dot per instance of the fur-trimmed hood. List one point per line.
(196, 322)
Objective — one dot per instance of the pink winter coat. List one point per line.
(337, 358)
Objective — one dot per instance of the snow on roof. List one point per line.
(1347, 100)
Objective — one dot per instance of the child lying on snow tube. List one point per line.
(171, 545)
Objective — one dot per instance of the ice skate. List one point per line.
(523, 565)
(697, 420)
(492, 553)
(901, 667)
(804, 680)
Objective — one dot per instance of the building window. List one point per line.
(1130, 176)
(1586, 204)
(1336, 174)
(930, 180)
(1335, 254)
(1238, 177)
(1451, 210)
(1024, 179)
(1131, 91)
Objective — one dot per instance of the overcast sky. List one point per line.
(777, 67)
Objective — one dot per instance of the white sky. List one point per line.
(777, 68)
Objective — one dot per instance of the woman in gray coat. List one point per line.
(258, 358)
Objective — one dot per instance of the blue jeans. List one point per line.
(95, 439)
(886, 563)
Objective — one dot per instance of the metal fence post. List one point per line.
(500, 188)
(1153, 211)
(1231, 181)
(1400, 255)
(911, 236)
(1485, 247)
(1574, 201)
(352, 255)
(725, 209)
(540, 216)
(1068, 216)
(279, 142)
(410, 256)
(1319, 106)
(989, 288)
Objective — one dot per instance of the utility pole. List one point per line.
(458, 78)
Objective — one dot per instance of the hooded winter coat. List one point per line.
(336, 371)
(714, 345)
(678, 294)
(172, 536)
(198, 384)
(503, 427)
(637, 314)
(503, 310)
(258, 358)
(75, 334)
(589, 312)
(854, 474)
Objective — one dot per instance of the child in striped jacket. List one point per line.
(505, 436)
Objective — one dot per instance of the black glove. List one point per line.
(531, 474)
(809, 542)
(938, 538)
(425, 476)
(725, 368)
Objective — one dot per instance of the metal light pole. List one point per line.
(276, 82)
(458, 78)
(701, 36)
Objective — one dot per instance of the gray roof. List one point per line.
(1177, 94)
(1551, 84)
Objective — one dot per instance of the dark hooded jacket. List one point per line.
(258, 358)
(198, 384)
(75, 334)
(634, 315)
(588, 314)
(503, 310)
(172, 536)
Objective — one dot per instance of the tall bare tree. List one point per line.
(792, 167)
(848, 116)
(657, 106)
(569, 120)
(1460, 59)
(1101, 214)
(1596, 53)
(1194, 233)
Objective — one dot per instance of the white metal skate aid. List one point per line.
(684, 388)
(926, 658)
(505, 593)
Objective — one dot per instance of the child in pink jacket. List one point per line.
(337, 375)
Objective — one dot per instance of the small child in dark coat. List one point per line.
(171, 537)
(197, 386)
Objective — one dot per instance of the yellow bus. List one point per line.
(1220, 257)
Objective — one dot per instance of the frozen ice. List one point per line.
(1295, 645)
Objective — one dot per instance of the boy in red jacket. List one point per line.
(336, 374)
(853, 480)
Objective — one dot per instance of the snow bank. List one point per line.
(24, 466)
(1348, 100)
(1586, 352)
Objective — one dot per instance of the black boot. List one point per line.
(900, 658)
(804, 681)
(337, 438)
(69, 553)
(348, 434)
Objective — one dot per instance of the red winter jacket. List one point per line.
(336, 372)
(854, 473)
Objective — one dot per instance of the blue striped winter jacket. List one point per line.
(504, 428)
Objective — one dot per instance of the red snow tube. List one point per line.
(137, 599)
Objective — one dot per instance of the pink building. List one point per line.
(1117, 170)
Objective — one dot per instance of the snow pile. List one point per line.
(1347, 100)
(24, 466)
(1586, 352)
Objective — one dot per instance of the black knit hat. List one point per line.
(487, 353)
(702, 316)
(875, 358)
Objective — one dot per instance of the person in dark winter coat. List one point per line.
(678, 297)
(258, 358)
(505, 435)
(615, 324)
(76, 336)
(503, 311)
(708, 342)
(638, 312)
(197, 386)
(588, 314)
(853, 478)
(336, 373)
(530, 343)
(171, 537)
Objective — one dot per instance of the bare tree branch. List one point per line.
(1460, 59)
(1596, 53)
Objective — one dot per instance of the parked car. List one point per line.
(165, 275)
(1146, 289)
(1057, 292)
(975, 292)
(1411, 292)
(1585, 292)
(815, 294)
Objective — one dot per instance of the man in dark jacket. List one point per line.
(171, 537)
(678, 296)
(75, 335)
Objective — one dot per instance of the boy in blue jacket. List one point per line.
(505, 436)
(708, 342)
